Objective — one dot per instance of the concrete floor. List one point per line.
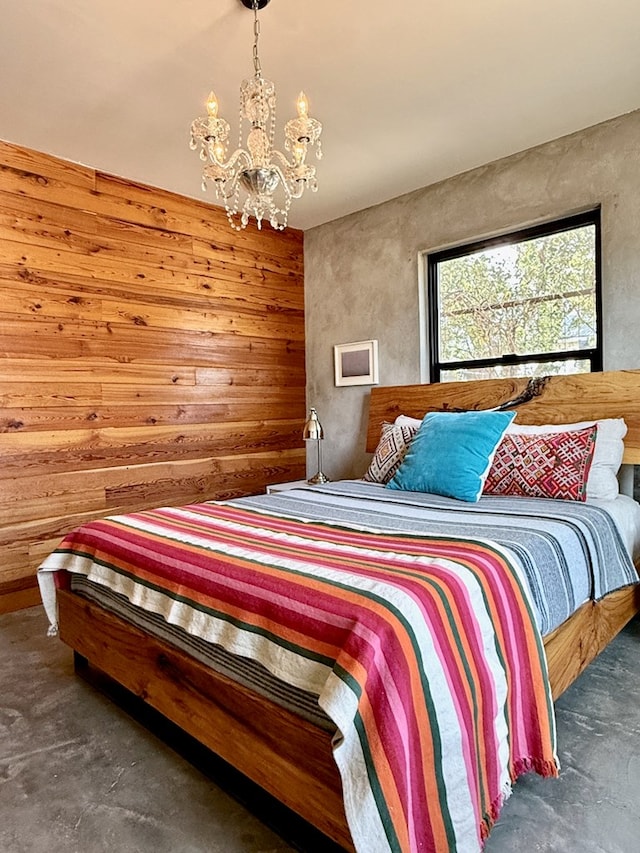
(78, 774)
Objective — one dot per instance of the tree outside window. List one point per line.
(523, 304)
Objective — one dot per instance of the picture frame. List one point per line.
(356, 363)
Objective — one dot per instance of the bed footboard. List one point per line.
(287, 756)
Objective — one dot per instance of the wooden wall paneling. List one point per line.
(119, 344)
(148, 354)
(155, 279)
(39, 451)
(70, 372)
(45, 165)
(56, 267)
(58, 182)
(19, 594)
(23, 224)
(122, 416)
(194, 291)
(15, 555)
(192, 216)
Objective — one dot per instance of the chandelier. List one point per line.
(256, 179)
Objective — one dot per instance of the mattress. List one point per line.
(625, 513)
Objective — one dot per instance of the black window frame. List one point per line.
(593, 355)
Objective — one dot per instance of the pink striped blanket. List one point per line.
(422, 650)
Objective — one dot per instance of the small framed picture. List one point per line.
(357, 363)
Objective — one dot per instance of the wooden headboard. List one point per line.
(564, 399)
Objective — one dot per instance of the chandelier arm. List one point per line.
(297, 188)
(283, 178)
(221, 191)
(295, 176)
(285, 163)
(239, 156)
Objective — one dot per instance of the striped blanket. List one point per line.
(567, 551)
(422, 649)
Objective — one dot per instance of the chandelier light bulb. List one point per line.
(257, 180)
(212, 105)
(303, 105)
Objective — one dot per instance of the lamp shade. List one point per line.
(313, 428)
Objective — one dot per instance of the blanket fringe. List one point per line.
(493, 812)
(540, 766)
(521, 766)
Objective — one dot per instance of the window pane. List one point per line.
(500, 371)
(535, 296)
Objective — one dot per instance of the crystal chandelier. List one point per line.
(257, 180)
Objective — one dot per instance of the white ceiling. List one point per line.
(409, 92)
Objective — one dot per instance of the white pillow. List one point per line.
(405, 420)
(602, 482)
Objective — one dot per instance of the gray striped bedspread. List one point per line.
(567, 551)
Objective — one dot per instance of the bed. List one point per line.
(280, 746)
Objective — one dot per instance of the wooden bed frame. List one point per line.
(284, 754)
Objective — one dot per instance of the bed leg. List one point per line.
(80, 662)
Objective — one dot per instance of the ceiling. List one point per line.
(409, 92)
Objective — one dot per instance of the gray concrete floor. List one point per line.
(78, 774)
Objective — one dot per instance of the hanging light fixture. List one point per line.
(257, 180)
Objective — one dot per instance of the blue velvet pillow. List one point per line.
(451, 454)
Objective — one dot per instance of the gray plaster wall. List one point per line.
(362, 271)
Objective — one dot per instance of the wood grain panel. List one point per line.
(89, 492)
(148, 353)
(137, 204)
(70, 372)
(23, 226)
(37, 163)
(236, 403)
(122, 344)
(18, 594)
(192, 217)
(194, 292)
(36, 395)
(91, 260)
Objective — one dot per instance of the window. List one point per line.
(523, 304)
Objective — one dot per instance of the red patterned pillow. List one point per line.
(391, 450)
(555, 465)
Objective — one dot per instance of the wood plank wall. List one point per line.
(149, 355)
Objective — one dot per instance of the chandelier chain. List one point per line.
(256, 36)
